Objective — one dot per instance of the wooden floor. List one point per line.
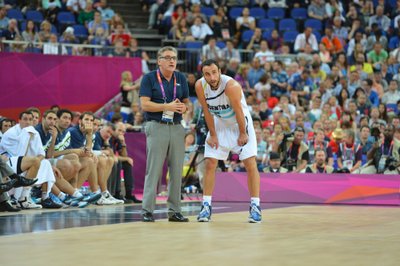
(300, 235)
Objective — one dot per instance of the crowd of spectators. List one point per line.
(59, 26)
(338, 77)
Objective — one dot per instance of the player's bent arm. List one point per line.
(234, 92)
(207, 115)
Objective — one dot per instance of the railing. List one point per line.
(188, 62)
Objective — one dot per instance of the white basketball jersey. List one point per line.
(218, 102)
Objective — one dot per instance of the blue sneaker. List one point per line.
(69, 199)
(255, 214)
(57, 200)
(92, 197)
(205, 213)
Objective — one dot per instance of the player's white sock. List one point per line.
(77, 194)
(62, 196)
(207, 199)
(255, 201)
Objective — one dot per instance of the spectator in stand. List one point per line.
(153, 13)
(382, 20)
(332, 6)
(255, 72)
(134, 51)
(53, 47)
(200, 30)
(99, 38)
(372, 95)
(12, 31)
(245, 22)
(97, 22)
(275, 42)
(376, 36)
(263, 88)
(305, 38)
(50, 9)
(264, 54)
(261, 149)
(196, 12)
(120, 34)
(363, 107)
(181, 31)
(219, 24)
(45, 31)
(392, 96)
(242, 77)
(279, 79)
(317, 10)
(365, 140)
(115, 20)
(177, 15)
(119, 49)
(332, 42)
(230, 52)
(358, 39)
(377, 56)
(30, 34)
(75, 6)
(86, 15)
(300, 87)
(211, 50)
(255, 41)
(106, 12)
(3, 18)
(349, 154)
(374, 117)
(68, 37)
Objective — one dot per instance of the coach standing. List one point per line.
(164, 94)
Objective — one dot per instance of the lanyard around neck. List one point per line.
(162, 86)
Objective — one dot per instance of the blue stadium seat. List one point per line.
(34, 15)
(266, 24)
(16, 14)
(299, 13)
(267, 34)
(257, 13)
(193, 45)
(317, 35)
(208, 11)
(393, 3)
(315, 24)
(66, 18)
(287, 24)
(221, 44)
(290, 36)
(276, 13)
(54, 29)
(246, 35)
(80, 31)
(235, 12)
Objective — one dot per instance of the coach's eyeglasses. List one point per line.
(169, 58)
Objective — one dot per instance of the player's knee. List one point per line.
(211, 163)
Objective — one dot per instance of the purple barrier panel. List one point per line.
(312, 188)
(77, 82)
(136, 145)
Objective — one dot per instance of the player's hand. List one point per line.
(243, 139)
(130, 161)
(213, 142)
(53, 131)
(88, 128)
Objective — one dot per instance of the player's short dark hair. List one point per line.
(24, 113)
(209, 62)
(62, 111)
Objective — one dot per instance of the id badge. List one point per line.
(168, 116)
(348, 164)
(382, 163)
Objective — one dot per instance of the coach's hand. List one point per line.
(213, 142)
(243, 139)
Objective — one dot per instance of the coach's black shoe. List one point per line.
(22, 181)
(147, 217)
(133, 198)
(50, 204)
(4, 187)
(6, 206)
(177, 217)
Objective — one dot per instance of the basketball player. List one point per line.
(230, 130)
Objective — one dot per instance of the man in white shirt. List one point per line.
(76, 5)
(264, 55)
(305, 38)
(392, 96)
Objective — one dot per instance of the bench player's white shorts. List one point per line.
(227, 139)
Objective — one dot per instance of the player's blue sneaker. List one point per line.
(255, 214)
(205, 213)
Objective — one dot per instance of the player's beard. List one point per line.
(320, 165)
(218, 83)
